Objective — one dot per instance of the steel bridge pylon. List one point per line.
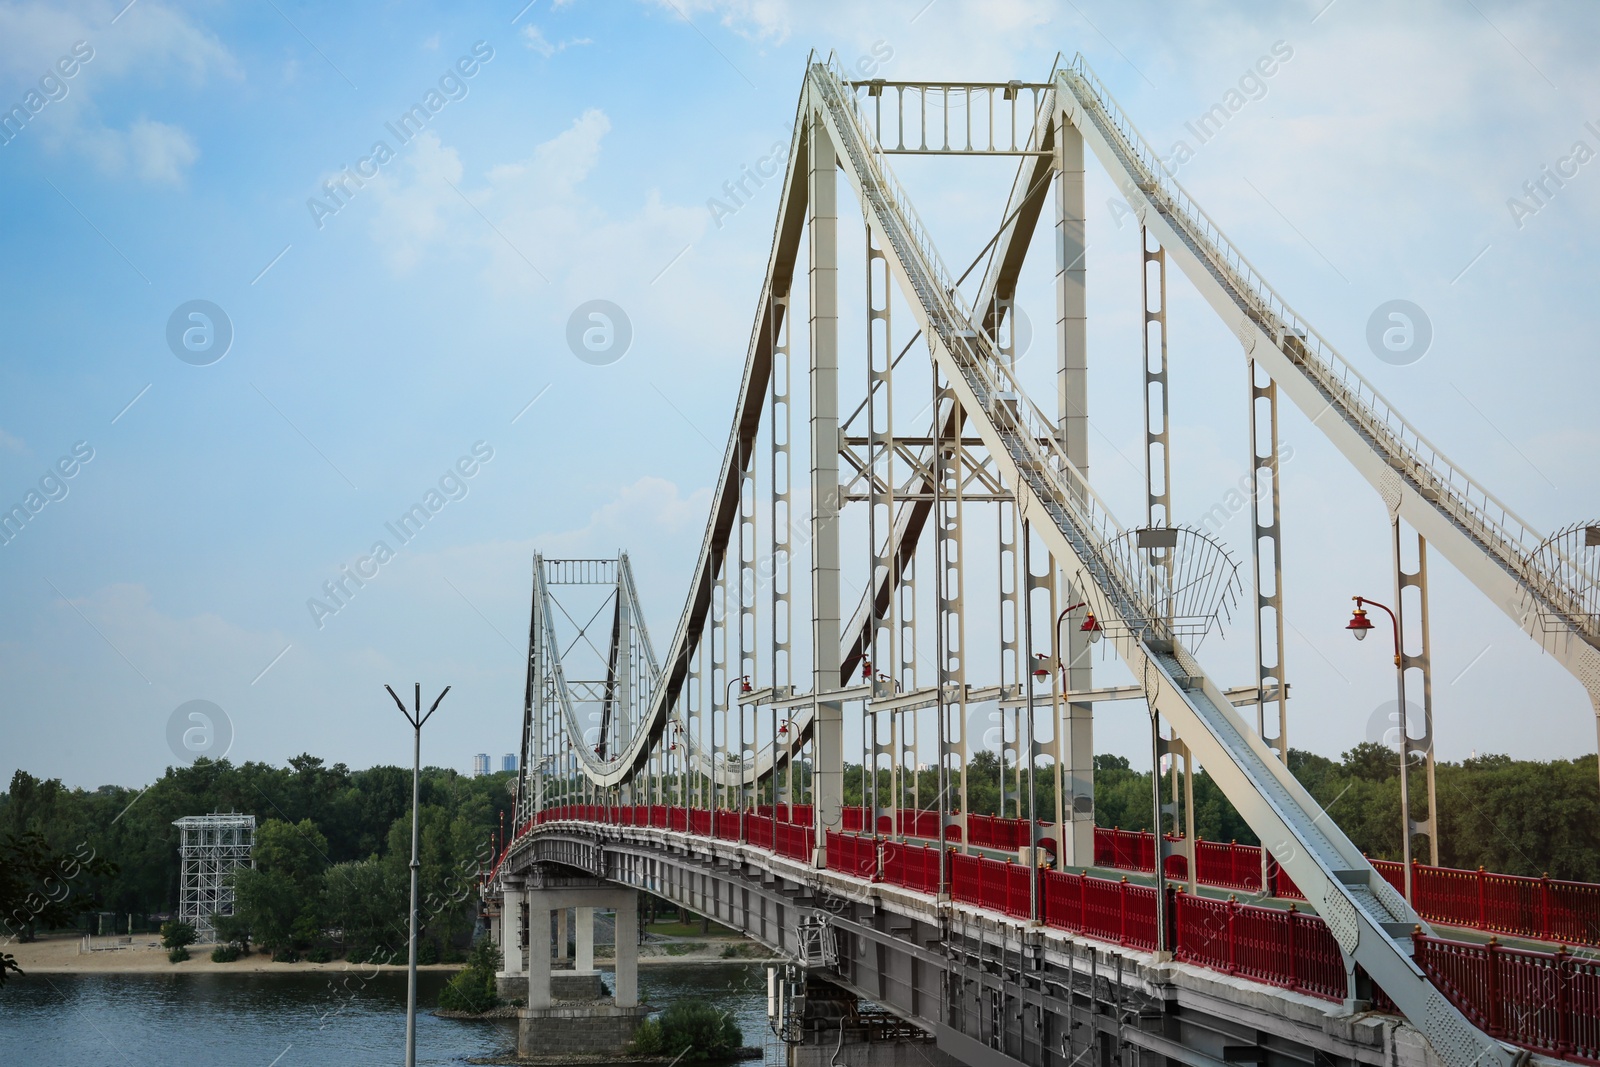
(937, 503)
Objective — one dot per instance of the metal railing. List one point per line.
(1548, 1002)
(1505, 535)
(971, 104)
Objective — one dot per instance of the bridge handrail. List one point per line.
(1544, 909)
(1508, 538)
(1548, 1002)
(1541, 909)
(1541, 1001)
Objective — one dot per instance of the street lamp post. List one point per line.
(717, 790)
(1359, 625)
(416, 719)
(1092, 631)
(1090, 627)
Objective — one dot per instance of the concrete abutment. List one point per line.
(566, 1014)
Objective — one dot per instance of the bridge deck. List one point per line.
(1548, 1003)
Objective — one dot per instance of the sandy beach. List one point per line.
(60, 954)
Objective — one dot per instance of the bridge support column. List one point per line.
(496, 932)
(827, 731)
(1072, 412)
(538, 951)
(627, 936)
(567, 1017)
(561, 935)
(583, 959)
(511, 982)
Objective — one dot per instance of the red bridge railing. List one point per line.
(1547, 1002)
(1541, 909)
(917, 867)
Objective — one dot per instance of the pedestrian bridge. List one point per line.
(994, 957)
(987, 573)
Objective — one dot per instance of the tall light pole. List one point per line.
(743, 682)
(1062, 714)
(1359, 625)
(416, 719)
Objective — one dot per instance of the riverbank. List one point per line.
(739, 1056)
(59, 954)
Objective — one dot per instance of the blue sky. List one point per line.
(375, 347)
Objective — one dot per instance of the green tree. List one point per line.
(365, 901)
(473, 987)
(692, 1030)
(450, 851)
(299, 851)
(40, 886)
(268, 904)
(177, 934)
(233, 931)
(278, 900)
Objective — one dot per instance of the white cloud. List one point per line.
(147, 45)
(417, 205)
(538, 212)
(534, 39)
(558, 165)
(766, 21)
(153, 151)
(160, 152)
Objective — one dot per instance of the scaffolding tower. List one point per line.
(213, 847)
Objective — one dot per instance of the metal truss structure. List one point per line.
(212, 848)
(933, 488)
(572, 721)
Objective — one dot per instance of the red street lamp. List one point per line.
(1359, 625)
(1091, 627)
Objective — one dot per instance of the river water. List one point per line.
(297, 1020)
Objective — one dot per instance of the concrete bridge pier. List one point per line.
(836, 1032)
(565, 1014)
(511, 981)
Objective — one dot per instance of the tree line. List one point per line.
(1509, 816)
(332, 853)
(332, 845)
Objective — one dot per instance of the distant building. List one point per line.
(508, 762)
(480, 764)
